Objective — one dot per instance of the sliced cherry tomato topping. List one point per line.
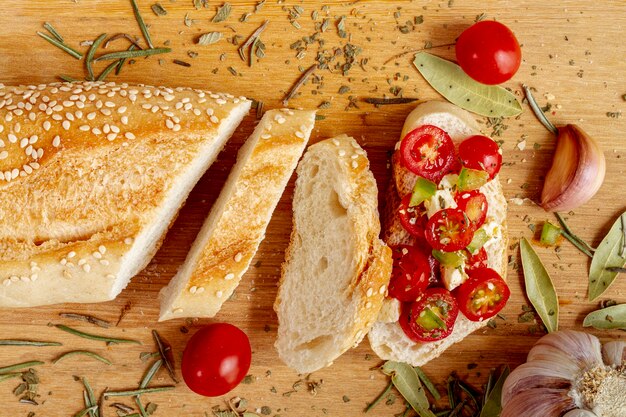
(474, 204)
(483, 295)
(488, 52)
(431, 317)
(475, 261)
(413, 219)
(449, 230)
(411, 273)
(428, 151)
(481, 153)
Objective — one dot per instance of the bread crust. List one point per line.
(236, 225)
(87, 168)
(387, 339)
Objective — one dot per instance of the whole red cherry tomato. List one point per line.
(449, 230)
(431, 317)
(488, 52)
(474, 204)
(413, 219)
(428, 151)
(481, 153)
(483, 295)
(216, 359)
(411, 272)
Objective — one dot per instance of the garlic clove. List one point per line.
(537, 374)
(538, 402)
(577, 171)
(583, 347)
(580, 413)
(614, 353)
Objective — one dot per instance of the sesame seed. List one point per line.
(176, 127)
(266, 136)
(34, 277)
(91, 115)
(342, 152)
(354, 156)
(109, 104)
(121, 110)
(106, 112)
(71, 254)
(193, 289)
(96, 131)
(129, 135)
(200, 290)
(154, 109)
(27, 169)
(128, 240)
(17, 128)
(87, 268)
(335, 142)
(185, 100)
(169, 124)
(85, 128)
(188, 106)
(124, 120)
(219, 294)
(214, 119)
(82, 262)
(97, 255)
(382, 289)
(63, 261)
(46, 125)
(24, 143)
(56, 141)
(300, 135)
(220, 101)
(110, 276)
(104, 262)
(197, 112)
(369, 292)
(209, 111)
(4, 155)
(238, 257)
(178, 106)
(6, 282)
(14, 173)
(368, 304)
(111, 136)
(355, 164)
(66, 124)
(229, 276)
(115, 129)
(15, 278)
(35, 165)
(12, 138)
(39, 153)
(69, 116)
(106, 128)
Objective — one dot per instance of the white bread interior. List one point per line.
(93, 176)
(387, 338)
(336, 268)
(236, 225)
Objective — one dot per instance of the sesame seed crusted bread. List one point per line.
(387, 338)
(336, 269)
(236, 224)
(92, 175)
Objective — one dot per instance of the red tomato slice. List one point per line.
(411, 273)
(431, 317)
(449, 230)
(476, 261)
(413, 219)
(474, 204)
(483, 295)
(428, 151)
(481, 153)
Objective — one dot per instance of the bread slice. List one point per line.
(387, 339)
(92, 176)
(336, 269)
(236, 225)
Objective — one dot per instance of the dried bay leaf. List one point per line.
(209, 38)
(608, 254)
(613, 317)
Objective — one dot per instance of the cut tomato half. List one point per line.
(428, 152)
(474, 204)
(449, 230)
(431, 317)
(483, 295)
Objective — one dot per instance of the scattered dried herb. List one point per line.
(17, 342)
(251, 39)
(82, 353)
(167, 356)
(579, 243)
(61, 45)
(142, 24)
(158, 9)
(141, 391)
(378, 399)
(87, 319)
(181, 63)
(222, 13)
(610, 253)
(90, 336)
(209, 38)
(613, 317)
(199, 4)
(294, 89)
(384, 101)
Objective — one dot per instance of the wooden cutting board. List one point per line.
(573, 55)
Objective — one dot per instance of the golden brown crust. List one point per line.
(84, 164)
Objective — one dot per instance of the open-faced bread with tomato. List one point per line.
(336, 268)
(445, 221)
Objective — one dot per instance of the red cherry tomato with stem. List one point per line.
(488, 52)
(431, 317)
(449, 230)
(481, 153)
(411, 273)
(217, 357)
(413, 219)
(428, 151)
(483, 295)
(474, 204)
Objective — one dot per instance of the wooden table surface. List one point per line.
(573, 55)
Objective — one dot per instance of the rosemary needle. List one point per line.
(53, 31)
(4, 377)
(86, 411)
(298, 84)
(18, 366)
(15, 342)
(61, 45)
(67, 78)
(538, 112)
(136, 392)
(150, 374)
(133, 54)
(93, 336)
(163, 349)
(108, 70)
(380, 397)
(83, 353)
(141, 23)
(91, 53)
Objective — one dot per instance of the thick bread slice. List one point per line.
(387, 339)
(336, 268)
(236, 225)
(91, 177)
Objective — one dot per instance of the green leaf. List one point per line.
(613, 317)
(209, 38)
(407, 382)
(493, 405)
(222, 13)
(608, 254)
(459, 88)
(539, 287)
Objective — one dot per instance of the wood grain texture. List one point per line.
(573, 53)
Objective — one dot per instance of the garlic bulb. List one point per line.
(568, 374)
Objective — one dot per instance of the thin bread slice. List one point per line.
(236, 225)
(336, 269)
(92, 174)
(387, 338)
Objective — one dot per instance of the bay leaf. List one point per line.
(608, 254)
(209, 38)
(407, 382)
(222, 13)
(539, 287)
(493, 405)
(459, 88)
(613, 317)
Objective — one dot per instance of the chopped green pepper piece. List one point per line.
(422, 191)
(472, 179)
(448, 259)
(550, 234)
(430, 320)
(480, 238)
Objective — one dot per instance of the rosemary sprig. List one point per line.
(16, 342)
(380, 397)
(164, 348)
(4, 377)
(383, 101)
(87, 319)
(135, 392)
(305, 75)
(538, 112)
(93, 336)
(53, 31)
(82, 353)
(85, 411)
(251, 39)
(150, 373)
(90, 54)
(105, 72)
(132, 54)
(141, 23)
(122, 62)
(90, 398)
(67, 78)
(61, 45)
(122, 36)
(18, 366)
(567, 233)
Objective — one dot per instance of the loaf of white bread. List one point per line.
(92, 175)
(236, 225)
(336, 270)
